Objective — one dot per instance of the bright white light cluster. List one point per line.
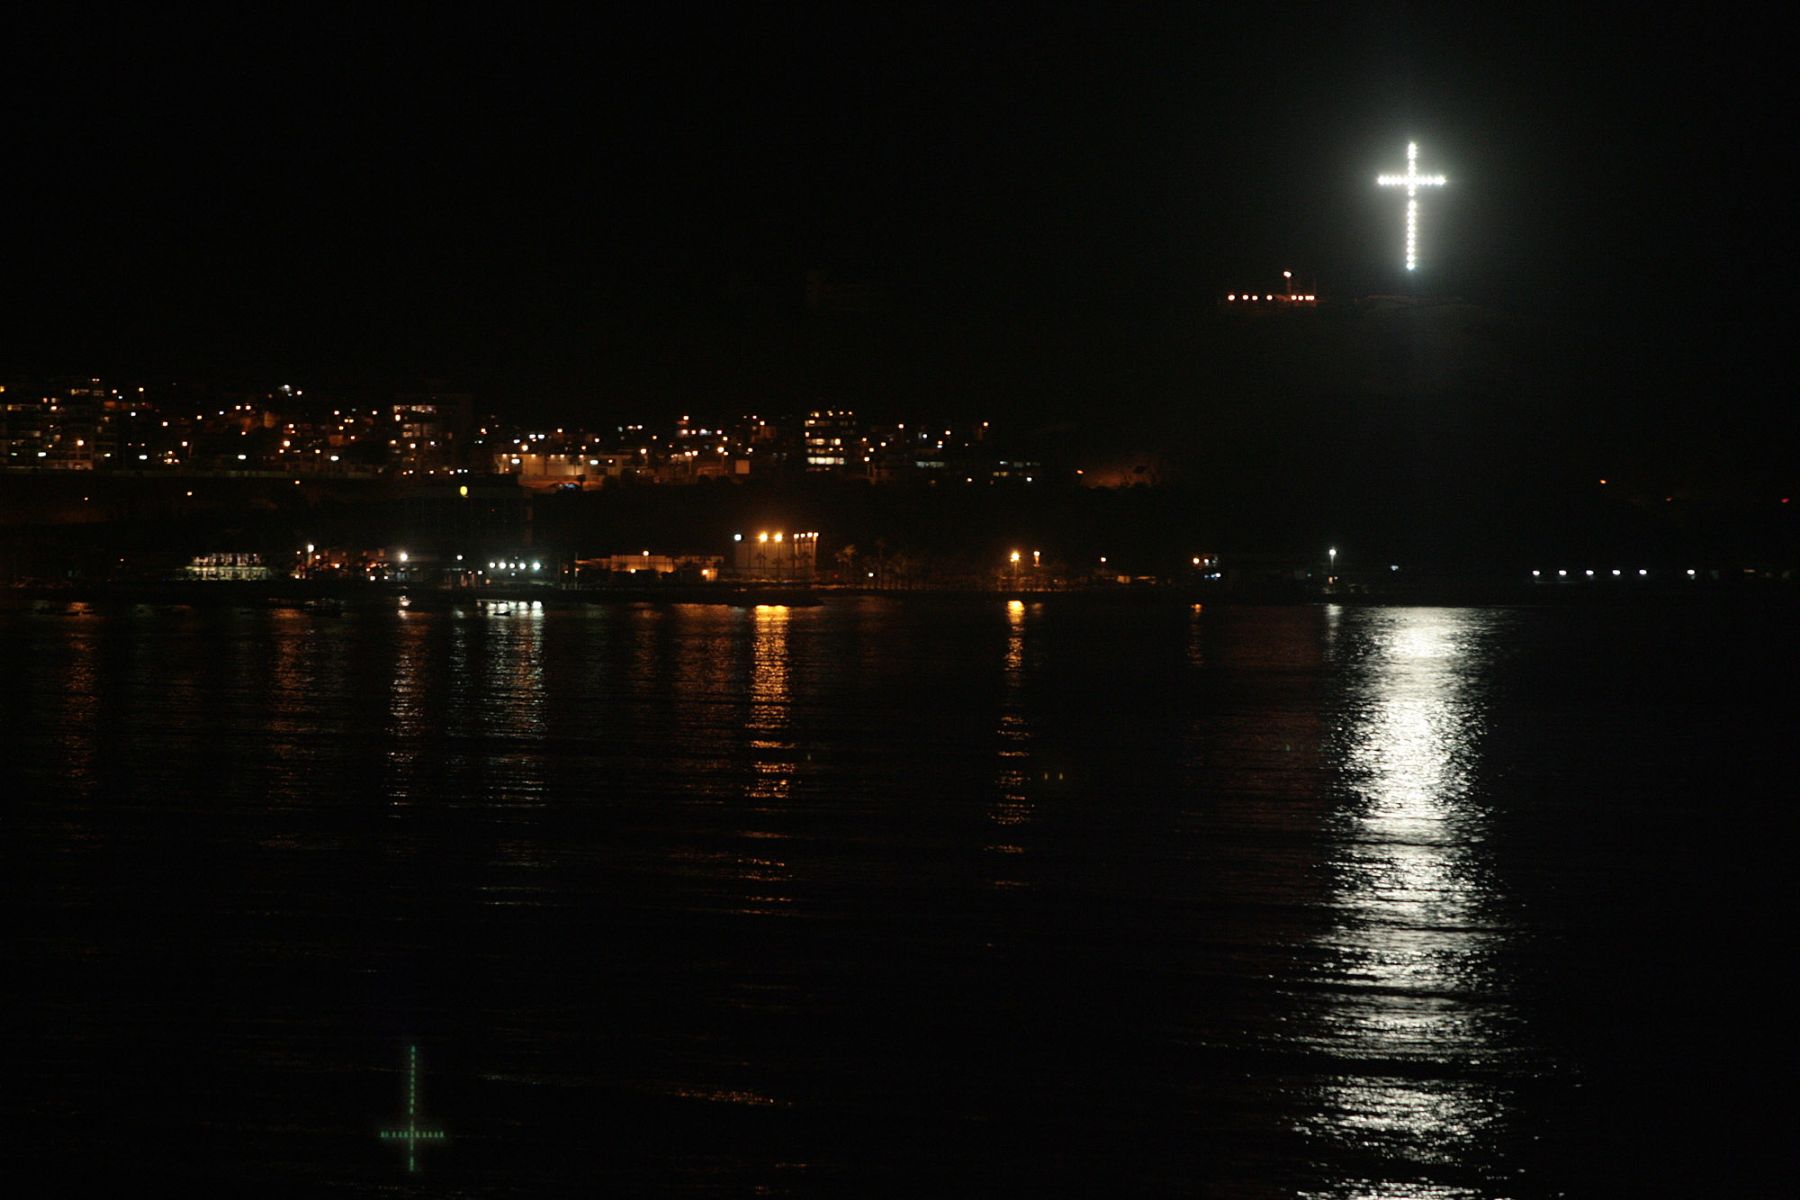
(1412, 181)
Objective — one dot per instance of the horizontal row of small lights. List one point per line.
(511, 566)
(766, 536)
(1233, 296)
(1535, 574)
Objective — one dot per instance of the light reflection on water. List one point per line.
(769, 700)
(406, 710)
(78, 714)
(1417, 1007)
(467, 699)
(287, 694)
(1285, 932)
(1012, 805)
(758, 866)
(517, 705)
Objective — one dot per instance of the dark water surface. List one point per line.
(902, 898)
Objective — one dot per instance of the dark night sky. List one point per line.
(616, 211)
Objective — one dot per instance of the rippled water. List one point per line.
(903, 897)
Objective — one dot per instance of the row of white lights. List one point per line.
(513, 566)
(1272, 296)
(765, 536)
(1641, 571)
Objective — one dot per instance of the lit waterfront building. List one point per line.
(775, 554)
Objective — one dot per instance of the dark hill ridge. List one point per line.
(1225, 379)
(1572, 392)
(1432, 428)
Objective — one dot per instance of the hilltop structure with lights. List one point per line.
(1287, 298)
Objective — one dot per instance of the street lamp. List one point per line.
(1331, 574)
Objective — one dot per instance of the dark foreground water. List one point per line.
(902, 898)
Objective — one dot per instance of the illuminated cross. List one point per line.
(1412, 181)
(412, 1135)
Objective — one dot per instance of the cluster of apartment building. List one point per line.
(87, 425)
(822, 442)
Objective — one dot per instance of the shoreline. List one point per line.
(339, 595)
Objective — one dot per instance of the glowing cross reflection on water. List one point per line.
(1415, 996)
